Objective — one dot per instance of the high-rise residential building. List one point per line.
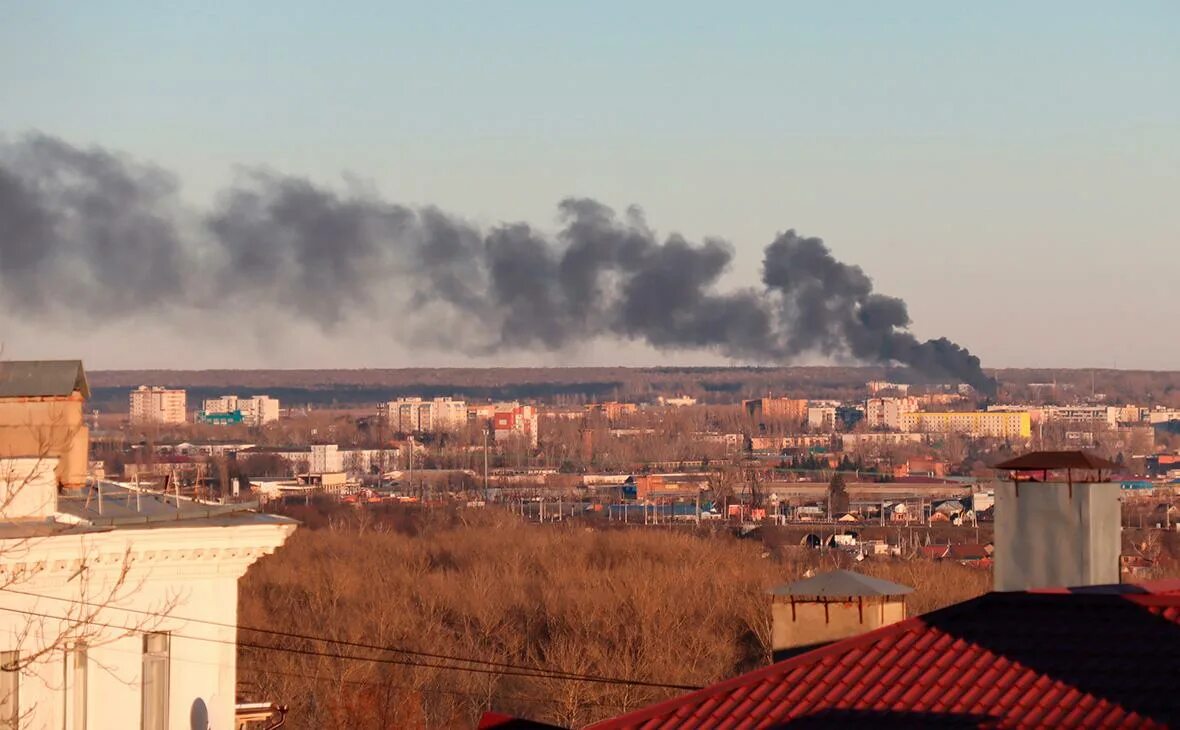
(888, 412)
(415, 415)
(256, 410)
(150, 404)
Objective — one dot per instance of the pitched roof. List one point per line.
(1043, 659)
(841, 583)
(39, 378)
(499, 721)
(1038, 460)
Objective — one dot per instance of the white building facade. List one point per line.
(415, 415)
(257, 410)
(120, 611)
(150, 404)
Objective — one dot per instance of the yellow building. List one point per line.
(979, 424)
(41, 416)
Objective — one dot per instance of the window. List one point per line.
(9, 690)
(77, 662)
(155, 681)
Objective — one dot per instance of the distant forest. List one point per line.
(571, 386)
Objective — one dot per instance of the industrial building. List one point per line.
(150, 404)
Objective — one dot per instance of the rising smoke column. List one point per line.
(96, 234)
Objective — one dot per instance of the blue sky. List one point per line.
(1011, 170)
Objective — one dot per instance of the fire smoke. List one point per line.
(95, 233)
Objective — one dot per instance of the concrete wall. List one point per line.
(808, 623)
(1046, 538)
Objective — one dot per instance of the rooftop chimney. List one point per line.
(1058, 522)
(832, 606)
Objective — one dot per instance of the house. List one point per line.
(1091, 658)
(119, 605)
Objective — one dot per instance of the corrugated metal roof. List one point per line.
(40, 378)
(841, 583)
(124, 507)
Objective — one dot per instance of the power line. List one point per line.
(373, 647)
(423, 690)
(327, 640)
(534, 674)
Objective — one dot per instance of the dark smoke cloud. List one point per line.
(97, 234)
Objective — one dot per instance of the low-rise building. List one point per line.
(41, 415)
(119, 607)
(612, 410)
(975, 424)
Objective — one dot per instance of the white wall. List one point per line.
(186, 573)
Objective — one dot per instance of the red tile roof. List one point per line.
(1103, 657)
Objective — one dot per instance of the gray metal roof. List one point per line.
(123, 507)
(841, 583)
(39, 378)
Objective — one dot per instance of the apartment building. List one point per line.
(821, 418)
(150, 404)
(612, 410)
(793, 410)
(513, 420)
(1108, 415)
(416, 415)
(876, 386)
(886, 413)
(976, 424)
(256, 410)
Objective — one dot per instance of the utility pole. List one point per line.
(410, 442)
(485, 466)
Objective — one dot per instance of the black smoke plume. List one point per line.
(91, 232)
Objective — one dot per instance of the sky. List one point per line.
(1010, 169)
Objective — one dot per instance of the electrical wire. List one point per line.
(530, 673)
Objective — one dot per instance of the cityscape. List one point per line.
(386, 366)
